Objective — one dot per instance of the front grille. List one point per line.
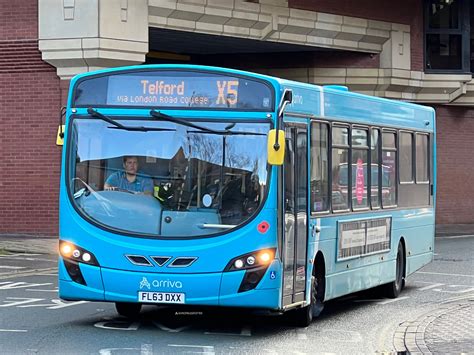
(182, 261)
(161, 260)
(138, 260)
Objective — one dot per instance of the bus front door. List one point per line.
(295, 205)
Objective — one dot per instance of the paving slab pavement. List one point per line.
(446, 330)
(447, 230)
(29, 244)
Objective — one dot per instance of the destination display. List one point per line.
(363, 237)
(175, 89)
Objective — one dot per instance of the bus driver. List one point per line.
(128, 179)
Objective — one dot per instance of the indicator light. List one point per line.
(76, 253)
(66, 249)
(265, 257)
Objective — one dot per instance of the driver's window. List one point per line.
(91, 172)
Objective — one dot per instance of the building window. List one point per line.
(447, 36)
(471, 22)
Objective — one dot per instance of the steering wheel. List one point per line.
(113, 188)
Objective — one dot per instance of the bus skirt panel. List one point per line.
(204, 289)
(91, 290)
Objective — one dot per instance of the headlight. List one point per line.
(74, 253)
(256, 259)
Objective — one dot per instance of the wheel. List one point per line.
(304, 316)
(393, 289)
(129, 310)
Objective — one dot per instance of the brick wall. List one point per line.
(29, 100)
(408, 12)
(18, 19)
(455, 141)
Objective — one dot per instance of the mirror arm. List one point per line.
(62, 113)
(285, 100)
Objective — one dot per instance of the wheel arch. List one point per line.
(319, 272)
(403, 243)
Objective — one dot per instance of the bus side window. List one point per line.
(341, 186)
(360, 157)
(389, 169)
(319, 173)
(406, 157)
(422, 166)
(375, 168)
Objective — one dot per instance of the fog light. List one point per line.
(251, 260)
(239, 264)
(86, 257)
(76, 253)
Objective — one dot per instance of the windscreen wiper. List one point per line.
(97, 114)
(165, 117)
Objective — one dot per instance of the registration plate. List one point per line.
(160, 297)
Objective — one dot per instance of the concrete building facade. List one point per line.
(415, 50)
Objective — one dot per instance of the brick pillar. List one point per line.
(455, 137)
(29, 106)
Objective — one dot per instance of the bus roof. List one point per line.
(336, 102)
(327, 102)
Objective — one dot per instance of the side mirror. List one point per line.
(60, 135)
(276, 151)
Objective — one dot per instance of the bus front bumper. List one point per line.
(204, 289)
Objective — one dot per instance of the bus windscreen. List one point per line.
(174, 89)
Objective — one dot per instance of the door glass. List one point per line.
(289, 215)
(301, 216)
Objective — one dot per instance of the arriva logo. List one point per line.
(167, 283)
(144, 283)
(160, 283)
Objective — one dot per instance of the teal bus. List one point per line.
(190, 185)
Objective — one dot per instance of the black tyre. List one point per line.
(129, 310)
(393, 289)
(304, 316)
